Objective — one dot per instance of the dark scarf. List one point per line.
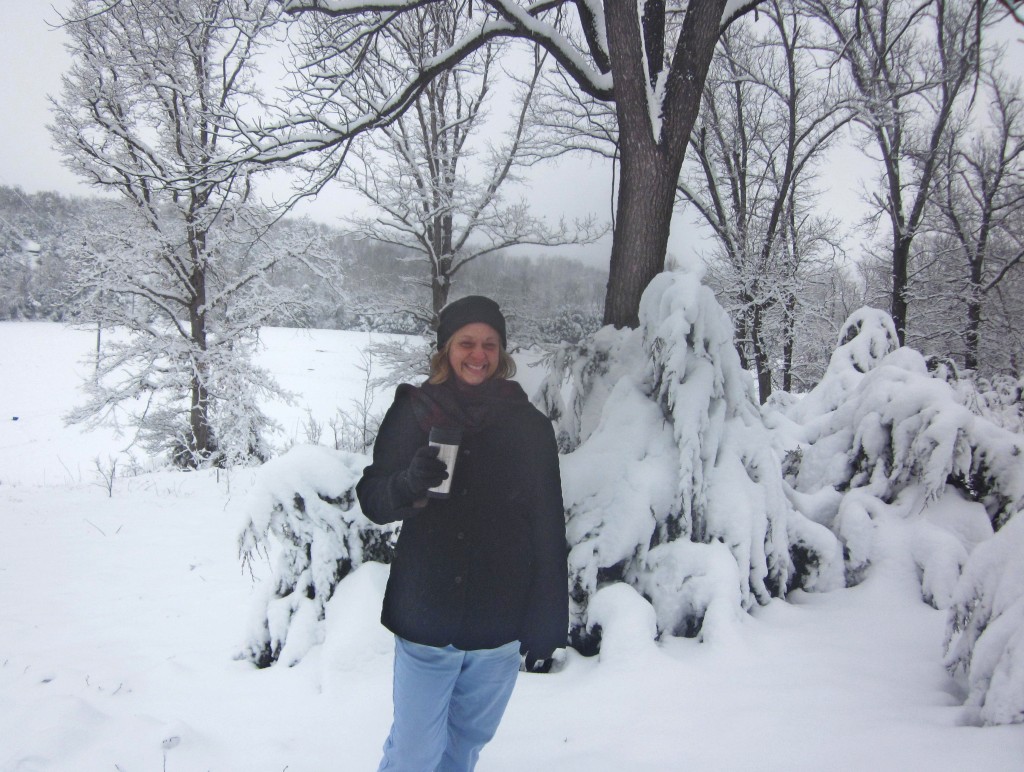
(453, 404)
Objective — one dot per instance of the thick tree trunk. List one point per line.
(644, 213)
(651, 146)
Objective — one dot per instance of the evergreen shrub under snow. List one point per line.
(304, 518)
(671, 483)
(882, 437)
(985, 634)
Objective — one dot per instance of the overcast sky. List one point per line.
(32, 59)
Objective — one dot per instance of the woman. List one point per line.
(479, 577)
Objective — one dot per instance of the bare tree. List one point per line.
(910, 64)
(648, 59)
(434, 180)
(770, 112)
(981, 200)
(179, 259)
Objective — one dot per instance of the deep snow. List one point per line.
(123, 615)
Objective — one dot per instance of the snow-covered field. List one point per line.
(122, 616)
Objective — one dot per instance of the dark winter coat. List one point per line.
(486, 566)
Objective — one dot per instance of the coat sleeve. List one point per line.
(384, 495)
(547, 616)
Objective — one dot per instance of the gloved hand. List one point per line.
(425, 471)
(536, 664)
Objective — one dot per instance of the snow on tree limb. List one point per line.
(505, 18)
(734, 9)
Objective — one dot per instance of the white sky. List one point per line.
(32, 59)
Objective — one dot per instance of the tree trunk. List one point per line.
(761, 361)
(651, 156)
(199, 419)
(900, 261)
(199, 408)
(643, 216)
(442, 230)
(440, 286)
(973, 333)
(788, 343)
(741, 340)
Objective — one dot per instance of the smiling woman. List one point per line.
(479, 576)
(471, 350)
(473, 354)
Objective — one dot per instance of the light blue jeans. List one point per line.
(448, 704)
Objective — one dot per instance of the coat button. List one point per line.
(458, 580)
(461, 536)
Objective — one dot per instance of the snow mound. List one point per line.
(354, 636)
(627, 624)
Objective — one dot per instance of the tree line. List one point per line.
(375, 287)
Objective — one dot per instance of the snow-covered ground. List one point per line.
(122, 616)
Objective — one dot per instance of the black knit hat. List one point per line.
(467, 310)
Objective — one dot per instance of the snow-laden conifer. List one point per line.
(672, 485)
(985, 633)
(883, 441)
(303, 517)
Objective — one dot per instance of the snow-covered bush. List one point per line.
(999, 399)
(303, 517)
(880, 424)
(672, 484)
(985, 633)
(886, 436)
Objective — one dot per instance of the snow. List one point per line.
(985, 643)
(665, 443)
(734, 8)
(124, 616)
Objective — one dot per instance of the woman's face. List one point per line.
(473, 353)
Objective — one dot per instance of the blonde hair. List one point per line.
(441, 369)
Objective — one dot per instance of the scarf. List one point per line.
(453, 404)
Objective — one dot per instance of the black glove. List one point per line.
(537, 664)
(425, 471)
